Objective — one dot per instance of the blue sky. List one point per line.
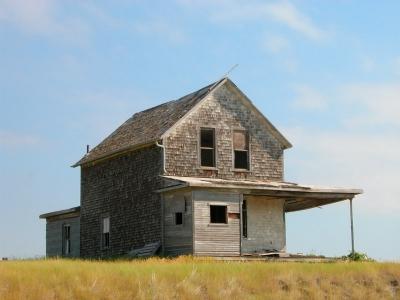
(326, 73)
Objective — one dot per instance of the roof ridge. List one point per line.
(147, 125)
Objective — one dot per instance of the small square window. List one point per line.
(218, 214)
(178, 218)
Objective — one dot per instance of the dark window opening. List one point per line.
(178, 218)
(241, 160)
(241, 150)
(67, 240)
(207, 147)
(105, 232)
(244, 218)
(218, 214)
(186, 203)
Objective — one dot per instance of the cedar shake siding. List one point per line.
(225, 112)
(200, 175)
(55, 244)
(123, 189)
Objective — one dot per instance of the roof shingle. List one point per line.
(146, 126)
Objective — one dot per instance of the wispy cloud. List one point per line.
(396, 64)
(283, 12)
(361, 150)
(161, 30)
(367, 64)
(276, 43)
(14, 140)
(308, 98)
(378, 103)
(40, 17)
(350, 159)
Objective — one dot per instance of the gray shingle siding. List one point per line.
(54, 236)
(224, 111)
(122, 188)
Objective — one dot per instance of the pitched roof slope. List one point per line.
(146, 126)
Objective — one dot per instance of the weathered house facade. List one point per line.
(200, 175)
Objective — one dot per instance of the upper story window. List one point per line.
(66, 239)
(105, 232)
(207, 147)
(241, 149)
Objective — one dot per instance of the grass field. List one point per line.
(188, 278)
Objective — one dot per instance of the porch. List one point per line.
(225, 218)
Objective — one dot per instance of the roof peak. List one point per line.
(147, 126)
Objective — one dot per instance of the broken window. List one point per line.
(178, 218)
(207, 147)
(105, 237)
(218, 214)
(244, 218)
(241, 149)
(67, 239)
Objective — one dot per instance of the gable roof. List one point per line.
(148, 126)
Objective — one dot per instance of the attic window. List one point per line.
(207, 147)
(241, 149)
(218, 214)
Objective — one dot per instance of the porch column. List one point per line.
(352, 227)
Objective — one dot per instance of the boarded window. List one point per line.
(178, 218)
(241, 150)
(218, 214)
(66, 239)
(105, 237)
(244, 218)
(207, 147)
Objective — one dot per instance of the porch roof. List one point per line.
(298, 197)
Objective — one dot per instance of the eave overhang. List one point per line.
(297, 197)
(65, 213)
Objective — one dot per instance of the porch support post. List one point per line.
(352, 227)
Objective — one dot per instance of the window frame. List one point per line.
(103, 234)
(214, 149)
(247, 135)
(66, 251)
(225, 206)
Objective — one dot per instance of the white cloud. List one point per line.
(13, 140)
(39, 17)
(282, 12)
(349, 159)
(367, 64)
(286, 13)
(162, 30)
(378, 103)
(276, 44)
(396, 64)
(308, 98)
(364, 153)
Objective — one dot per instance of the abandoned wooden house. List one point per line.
(201, 175)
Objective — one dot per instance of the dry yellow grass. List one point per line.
(189, 278)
